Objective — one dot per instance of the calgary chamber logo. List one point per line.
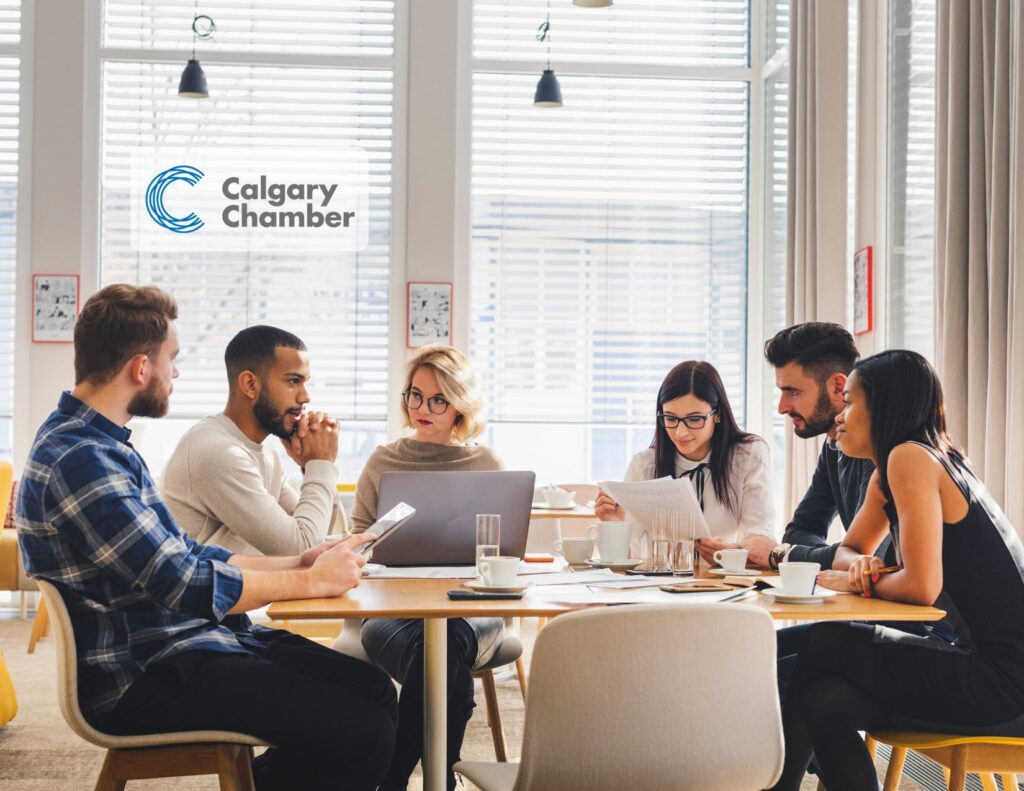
(199, 200)
(155, 199)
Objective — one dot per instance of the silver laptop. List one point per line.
(443, 530)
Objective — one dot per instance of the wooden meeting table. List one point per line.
(427, 599)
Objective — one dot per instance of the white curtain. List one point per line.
(816, 188)
(979, 237)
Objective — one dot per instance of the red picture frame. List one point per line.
(428, 313)
(52, 321)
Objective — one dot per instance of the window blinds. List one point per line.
(609, 236)
(336, 302)
(912, 30)
(10, 78)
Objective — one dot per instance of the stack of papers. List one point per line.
(642, 498)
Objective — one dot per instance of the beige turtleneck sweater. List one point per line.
(411, 455)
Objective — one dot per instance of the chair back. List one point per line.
(67, 692)
(67, 665)
(654, 697)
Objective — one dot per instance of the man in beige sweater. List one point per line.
(226, 486)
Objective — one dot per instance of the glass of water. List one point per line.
(682, 544)
(488, 537)
(661, 541)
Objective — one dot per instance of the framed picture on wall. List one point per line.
(54, 308)
(863, 296)
(429, 317)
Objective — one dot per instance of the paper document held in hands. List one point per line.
(642, 498)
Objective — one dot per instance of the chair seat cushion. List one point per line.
(489, 776)
(509, 651)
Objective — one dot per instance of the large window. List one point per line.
(609, 236)
(10, 81)
(315, 74)
(911, 262)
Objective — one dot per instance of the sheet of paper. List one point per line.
(426, 573)
(641, 498)
(575, 595)
(625, 583)
(573, 577)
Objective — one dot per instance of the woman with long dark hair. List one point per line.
(697, 438)
(955, 548)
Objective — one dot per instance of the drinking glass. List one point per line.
(488, 537)
(682, 544)
(661, 541)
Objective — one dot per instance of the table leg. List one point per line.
(435, 703)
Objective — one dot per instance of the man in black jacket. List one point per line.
(812, 362)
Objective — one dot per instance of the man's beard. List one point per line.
(268, 417)
(154, 401)
(822, 420)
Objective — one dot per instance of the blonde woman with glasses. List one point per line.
(443, 408)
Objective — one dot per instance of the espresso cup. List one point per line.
(798, 577)
(612, 540)
(731, 559)
(575, 550)
(498, 570)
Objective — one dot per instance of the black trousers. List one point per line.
(330, 718)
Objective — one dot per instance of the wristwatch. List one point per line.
(777, 555)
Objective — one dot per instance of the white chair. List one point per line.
(223, 753)
(648, 697)
(509, 652)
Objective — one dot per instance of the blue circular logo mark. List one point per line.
(155, 199)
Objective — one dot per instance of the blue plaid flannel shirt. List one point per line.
(90, 520)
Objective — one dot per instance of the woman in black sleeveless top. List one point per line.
(955, 549)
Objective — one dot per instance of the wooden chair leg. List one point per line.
(494, 715)
(245, 757)
(1009, 782)
(106, 781)
(542, 621)
(227, 768)
(988, 781)
(895, 771)
(872, 746)
(39, 626)
(521, 672)
(958, 768)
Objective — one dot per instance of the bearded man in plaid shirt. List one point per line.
(163, 642)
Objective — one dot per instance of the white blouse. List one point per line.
(751, 480)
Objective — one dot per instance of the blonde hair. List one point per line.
(458, 385)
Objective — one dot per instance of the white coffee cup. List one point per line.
(559, 498)
(612, 540)
(798, 577)
(575, 550)
(498, 570)
(731, 559)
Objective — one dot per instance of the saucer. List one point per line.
(372, 568)
(546, 507)
(787, 598)
(622, 565)
(479, 587)
(744, 573)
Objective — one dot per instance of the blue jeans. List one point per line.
(396, 645)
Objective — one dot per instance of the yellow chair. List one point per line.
(8, 699)
(957, 755)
